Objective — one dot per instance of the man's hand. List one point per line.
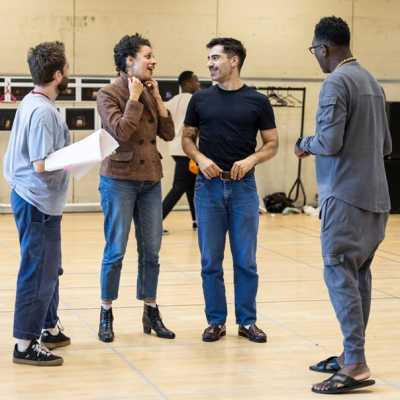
(299, 152)
(241, 168)
(208, 167)
(135, 88)
(38, 166)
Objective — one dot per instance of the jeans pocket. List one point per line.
(249, 182)
(200, 182)
(53, 231)
(36, 240)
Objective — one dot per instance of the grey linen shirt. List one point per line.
(352, 139)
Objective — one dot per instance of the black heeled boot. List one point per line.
(152, 320)
(106, 333)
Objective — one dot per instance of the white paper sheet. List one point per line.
(80, 157)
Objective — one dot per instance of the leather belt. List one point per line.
(225, 176)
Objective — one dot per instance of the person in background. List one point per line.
(184, 179)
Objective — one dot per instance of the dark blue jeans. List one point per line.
(37, 285)
(221, 207)
(122, 201)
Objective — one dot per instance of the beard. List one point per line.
(62, 85)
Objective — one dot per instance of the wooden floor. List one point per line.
(293, 308)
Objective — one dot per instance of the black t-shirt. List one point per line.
(228, 121)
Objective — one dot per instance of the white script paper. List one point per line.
(80, 157)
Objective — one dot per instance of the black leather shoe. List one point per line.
(152, 321)
(254, 333)
(213, 333)
(106, 333)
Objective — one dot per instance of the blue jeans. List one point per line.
(221, 207)
(37, 295)
(122, 201)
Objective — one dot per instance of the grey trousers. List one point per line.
(349, 239)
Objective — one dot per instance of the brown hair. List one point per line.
(44, 60)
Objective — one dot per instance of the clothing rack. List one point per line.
(276, 95)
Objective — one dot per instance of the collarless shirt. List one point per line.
(352, 137)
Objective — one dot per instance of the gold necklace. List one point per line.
(345, 61)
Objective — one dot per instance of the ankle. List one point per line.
(23, 344)
(53, 331)
(106, 306)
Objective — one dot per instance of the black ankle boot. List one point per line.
(106, 333)
(152, 320)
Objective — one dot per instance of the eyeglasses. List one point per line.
(312, 49)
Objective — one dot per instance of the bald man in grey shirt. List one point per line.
(350, 144)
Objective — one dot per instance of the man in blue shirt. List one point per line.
(227, 118)
(37, 201)
(351, 140)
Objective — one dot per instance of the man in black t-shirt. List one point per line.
(226, 119)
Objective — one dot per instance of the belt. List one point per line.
(226, 175)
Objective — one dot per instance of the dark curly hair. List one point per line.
(333, 30)
(44, 60)
(232, 47)
(128, 46)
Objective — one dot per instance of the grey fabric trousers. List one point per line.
(349, 239)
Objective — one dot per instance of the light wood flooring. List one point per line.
(293, 309)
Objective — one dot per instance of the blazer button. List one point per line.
(151, 120)
(141, 141)
(153, 141)
(141, 161)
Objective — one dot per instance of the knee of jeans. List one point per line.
(150, 247)
(151, 259)
(245, 267)
(114, 251)
(116, 267)
(112, 267)
(209, 268)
